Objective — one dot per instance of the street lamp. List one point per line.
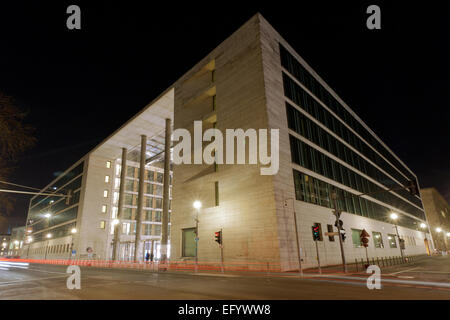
(394, 218)
(74, 230)
(438, 230)
(47, 215)
(197, 205)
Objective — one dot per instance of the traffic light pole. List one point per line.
(399, 243)
(318, 258)
(337, 213)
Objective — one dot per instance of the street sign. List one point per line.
(364, 233)
(330, 234)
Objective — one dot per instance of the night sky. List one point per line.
(80, 85)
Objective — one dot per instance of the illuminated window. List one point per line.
(108, 164)
(118, 169)
(392, 241)
(107, 179)
(117, 183)
(102, 224)
(104, 207)
(105, 194)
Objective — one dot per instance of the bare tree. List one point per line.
(15, 137)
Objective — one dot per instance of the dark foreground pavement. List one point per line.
(49, 282)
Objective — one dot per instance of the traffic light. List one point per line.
(218, 237)
(364, 237)
(316, 232)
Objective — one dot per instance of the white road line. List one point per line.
(28, 280)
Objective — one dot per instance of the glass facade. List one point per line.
(367, 166)
(152, 210)
(62, 212)
(318, 192)
(299, 96)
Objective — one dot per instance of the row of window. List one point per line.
(312, 107)
(308, 157)
(318, 192)
(308, 129)
(303, 76)
(154, 176)
(58, 232)
(148, 215)
(57, 219)
(377, 239)
(54, 204)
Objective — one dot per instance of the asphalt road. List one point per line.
(49, 282)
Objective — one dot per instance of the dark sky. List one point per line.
(79, 86)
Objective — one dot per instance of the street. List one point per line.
(427, 279)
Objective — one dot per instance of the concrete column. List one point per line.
(166, 197)
(117, 227)
(140, 204)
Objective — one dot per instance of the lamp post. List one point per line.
(337, 213)
(394, 218)
(197, 205)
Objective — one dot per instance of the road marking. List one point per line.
(390, 274)
(28, 280)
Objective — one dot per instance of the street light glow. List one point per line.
(49, 235)
(47, 215)
(438, 229)
(197, 204)
(423, 225)
(394, 216)
(74, 230)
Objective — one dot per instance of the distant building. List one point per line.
(4, 244)
(437, 210)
